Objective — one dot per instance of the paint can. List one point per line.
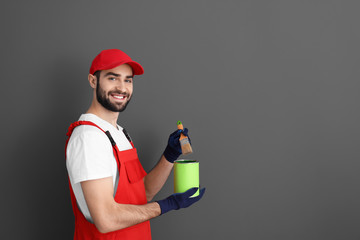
(186, 175)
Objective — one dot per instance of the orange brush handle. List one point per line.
(181, 127)
(184, 140)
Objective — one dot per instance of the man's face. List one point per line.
(115, 87)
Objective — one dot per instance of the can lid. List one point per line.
(185, 161)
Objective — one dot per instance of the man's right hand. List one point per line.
(180, 200)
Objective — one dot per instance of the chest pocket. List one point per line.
(134, 170)
(129, 158)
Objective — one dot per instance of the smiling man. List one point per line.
(110, 191)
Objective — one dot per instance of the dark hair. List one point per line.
(97, 74)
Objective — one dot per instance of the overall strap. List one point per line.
(128, 137)
(78, 123)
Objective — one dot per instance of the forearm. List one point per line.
(107, 214)
(157, 177)
(120, 216)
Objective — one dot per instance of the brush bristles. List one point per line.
(185, 146)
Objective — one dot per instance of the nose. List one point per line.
(120, 86)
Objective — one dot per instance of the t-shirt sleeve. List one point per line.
(89, 155)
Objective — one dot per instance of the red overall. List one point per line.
(130, 190)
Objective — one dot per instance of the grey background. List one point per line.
(268, 89)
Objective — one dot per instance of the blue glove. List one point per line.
(173, 148)
(180, 200)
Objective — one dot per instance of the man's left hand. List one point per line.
(173, 149)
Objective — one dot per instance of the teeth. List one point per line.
(119, 97)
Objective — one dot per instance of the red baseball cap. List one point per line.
(111, 58)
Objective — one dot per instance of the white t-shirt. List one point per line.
(90, 156)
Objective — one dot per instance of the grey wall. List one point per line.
(268, 89)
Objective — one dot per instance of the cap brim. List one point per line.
(136, 67)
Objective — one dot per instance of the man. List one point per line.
(110, 191)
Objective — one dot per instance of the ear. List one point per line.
(92, 80)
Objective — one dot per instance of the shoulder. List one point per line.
(90, 138)
(89, 154)
(87, 131)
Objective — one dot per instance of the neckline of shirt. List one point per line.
(99, 121)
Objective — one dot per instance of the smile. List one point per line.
(120, 97)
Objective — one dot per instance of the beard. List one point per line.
(103, 98)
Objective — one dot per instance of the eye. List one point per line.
(128, 80)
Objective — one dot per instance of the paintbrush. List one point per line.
(184, 140)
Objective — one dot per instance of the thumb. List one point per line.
(189, 192)
(202, 192)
